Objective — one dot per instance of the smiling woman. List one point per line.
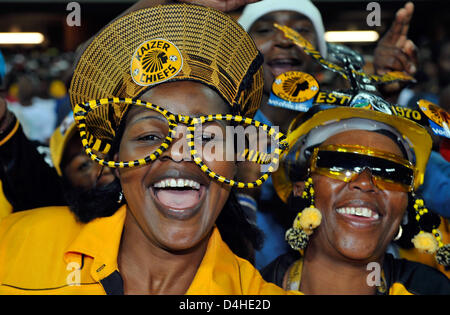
(137, 92)
(174, 217)
(355, 172)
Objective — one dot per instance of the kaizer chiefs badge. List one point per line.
(435, 113)
(155, 61)
(295, 86)
(439, 119)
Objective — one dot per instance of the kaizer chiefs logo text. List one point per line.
(155, 61)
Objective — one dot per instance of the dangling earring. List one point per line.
(306, 220)
(423, 241)
(120, 197)
(399, 233)
(430, 243)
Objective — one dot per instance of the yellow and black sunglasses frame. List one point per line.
(82, 110)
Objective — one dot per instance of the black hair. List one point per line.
(88, 204)
(236, 230)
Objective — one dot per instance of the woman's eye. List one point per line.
(84, 166)
(263, 30)
(149, 138)
(207, 137)
(303, 30)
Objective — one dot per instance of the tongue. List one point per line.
(178, 199)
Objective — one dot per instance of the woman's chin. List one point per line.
(181, 241)
(359, 254)
(356, 249)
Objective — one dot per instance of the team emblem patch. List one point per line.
(435, 113)
(295, 86)
(439, 119)
(155, 61)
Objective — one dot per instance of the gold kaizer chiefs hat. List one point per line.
(161, 44)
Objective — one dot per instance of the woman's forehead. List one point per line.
(365, 138)
(186, 98)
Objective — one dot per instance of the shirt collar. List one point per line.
(99, 239)
(219, 271)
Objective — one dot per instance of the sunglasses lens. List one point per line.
(343, 165)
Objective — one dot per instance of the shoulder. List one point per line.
(223, 272)
(39, 216)
(254, 284)
(412, 277)
(437, 166)
(40, 223)
(33, 244)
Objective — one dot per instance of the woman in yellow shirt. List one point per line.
(141, 94)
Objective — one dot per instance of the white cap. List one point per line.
(254, 11)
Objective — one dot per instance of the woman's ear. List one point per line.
(298, 188)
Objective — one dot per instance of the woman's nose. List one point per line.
(282, 41)
(363, 181)
(179, 149)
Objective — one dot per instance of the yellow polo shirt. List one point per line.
(46, 251)
(5, 206)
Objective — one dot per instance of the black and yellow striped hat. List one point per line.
(163, 44)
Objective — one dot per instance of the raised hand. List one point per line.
(395, 52)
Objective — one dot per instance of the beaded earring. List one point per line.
(306, 220)
(424, 241)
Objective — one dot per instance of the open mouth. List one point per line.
(359, 212)
(179, 197)
(281, 65)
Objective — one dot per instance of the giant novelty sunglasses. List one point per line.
(346, 162)
(271, 159)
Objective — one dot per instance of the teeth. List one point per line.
(359, 211)
(176, 183)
